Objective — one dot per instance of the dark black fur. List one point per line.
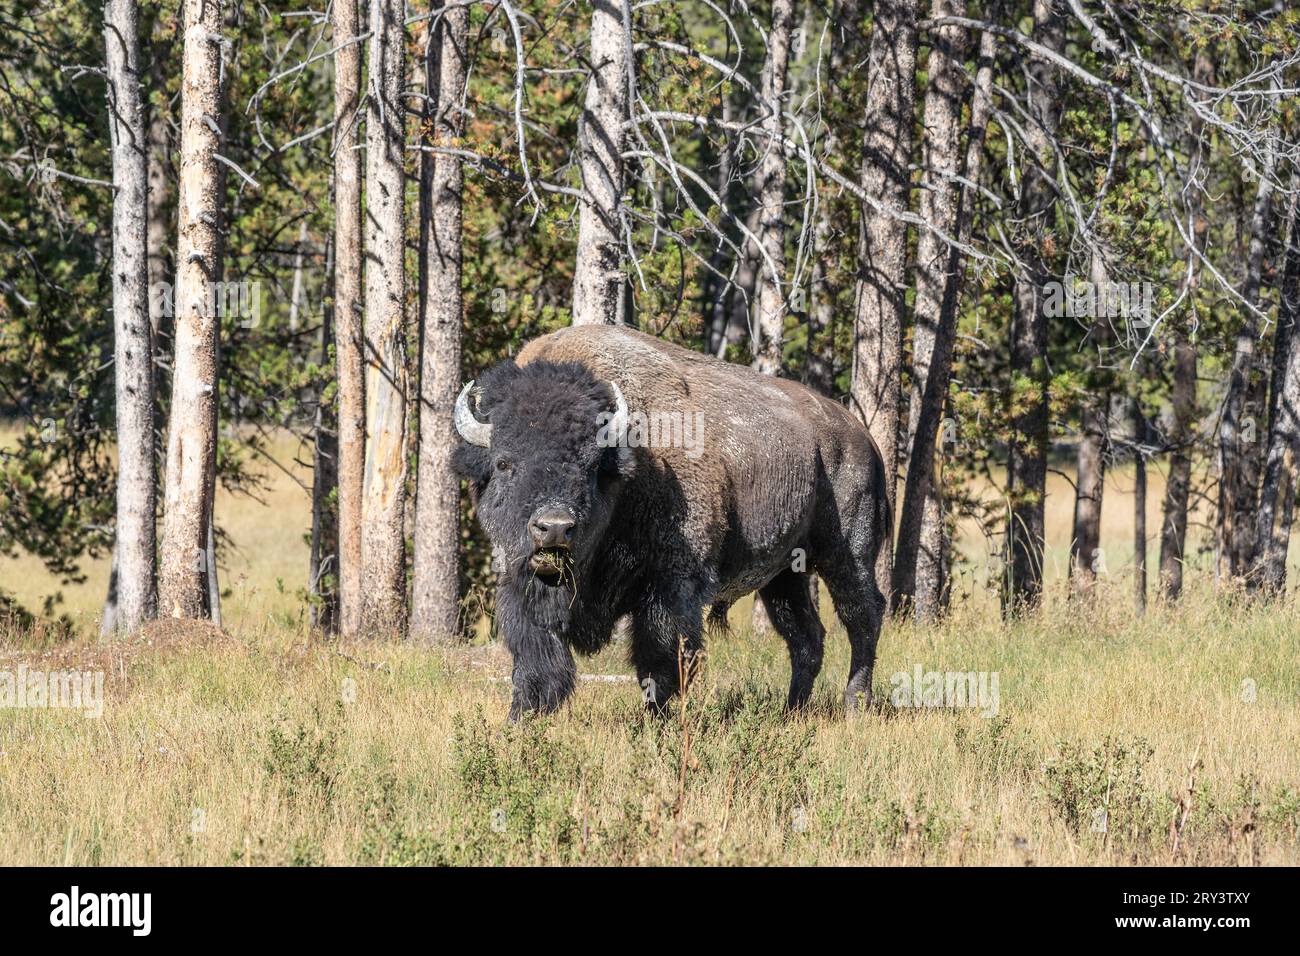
(544, 451)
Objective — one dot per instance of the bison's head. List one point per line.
(543, 451)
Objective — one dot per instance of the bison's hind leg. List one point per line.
(789, 602)
(861, 608)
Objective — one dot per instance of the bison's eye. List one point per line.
(503, 464)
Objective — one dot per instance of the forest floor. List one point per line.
(1111, 739)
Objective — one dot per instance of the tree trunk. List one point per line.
(1284, 331)
(134, 549)
(1027, 459)
(921, 563)
(771, 193)
(1277, 496)
(1173, 525)
(876, 387)
(1090, 478)
(108, 620)
(833, 213)
(713, 304)
(770, 330)
(192, 435)
(1139, 507)
(383, 541)
(435, 603)
(348, 332)
(1173, 534)
(211, 582)
(1090, 482)
(597, 276)
(1238, 455)
(156, 216)
(322, 577)
(739, 326)
(295, 290)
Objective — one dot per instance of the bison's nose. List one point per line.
(551, 529)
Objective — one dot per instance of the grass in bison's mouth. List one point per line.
(552, 564)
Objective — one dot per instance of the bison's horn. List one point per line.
(618, 424)
(471, 429)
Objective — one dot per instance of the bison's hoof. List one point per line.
(538, 695)
(857, 700)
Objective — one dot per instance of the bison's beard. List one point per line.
(549, 605)
(547, 595)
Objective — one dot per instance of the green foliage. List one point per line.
(304, 760)
(1103, 794)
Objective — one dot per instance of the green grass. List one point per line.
(265, 748)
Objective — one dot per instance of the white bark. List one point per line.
(597, 277)
(135, 547)
(348, 333)
(192, 437)
(770, 332)
(383, 544)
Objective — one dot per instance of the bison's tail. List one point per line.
(883, 532)
(885, 535)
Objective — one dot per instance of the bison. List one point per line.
(617, 474)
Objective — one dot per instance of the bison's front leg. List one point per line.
(544, 672)
(666, 641)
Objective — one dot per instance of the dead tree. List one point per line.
(770, 329)
(876, 389)
(947, 201)
(348, 333)
(598, 282)
(1173, 524)
(1277, 494)
(769, 332)
(184, 578)
(324, 557)
(134, 549)
(1173, 527)
(435, 579)
(834, 217)
(383, 541)
(1090, 481)
(1139, 506)
(1090, 472)
(1238, 431)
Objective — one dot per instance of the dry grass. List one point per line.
(263, 746)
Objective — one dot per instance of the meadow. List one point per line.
(1168, 738)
